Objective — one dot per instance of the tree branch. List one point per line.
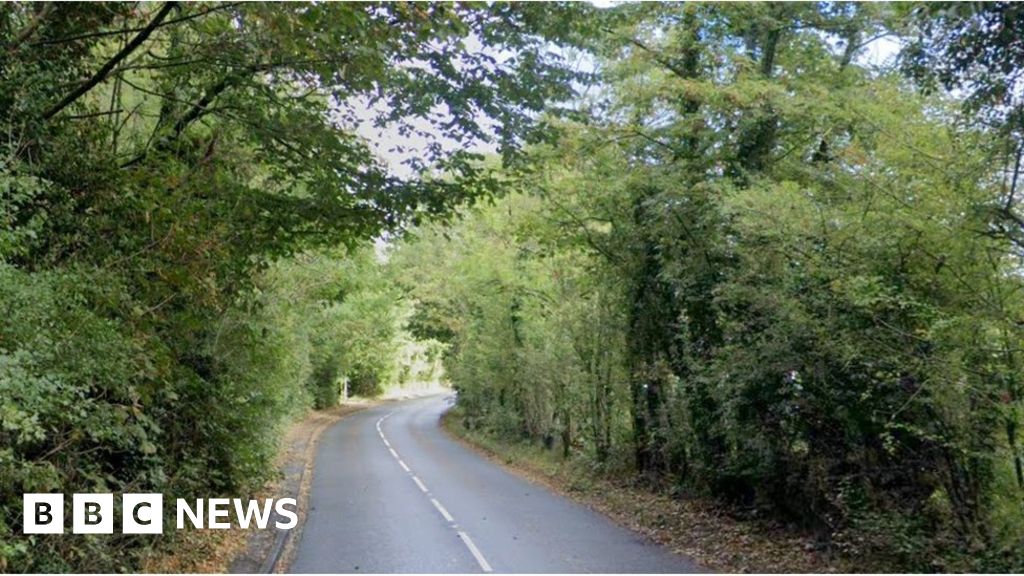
(110, 112)
(31, 27)
(103, 33)
(660, 59)
(200, 108)
(1013, 183)
(103, 72)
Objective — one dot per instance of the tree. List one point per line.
(809, 311)
(162, 163)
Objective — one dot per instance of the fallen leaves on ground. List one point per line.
(700, 529)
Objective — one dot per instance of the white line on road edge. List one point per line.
(441, 509)
(383, 418)
(420, 484)
(475, 552)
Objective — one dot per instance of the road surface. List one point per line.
(391, 492)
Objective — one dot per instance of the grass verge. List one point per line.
(240, 550)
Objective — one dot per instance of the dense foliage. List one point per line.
(186, 214)
(765, 271)
(720, 251)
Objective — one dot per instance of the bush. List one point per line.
(76, 412)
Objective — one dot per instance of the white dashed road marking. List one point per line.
(484, 565)
(442, 510)
(475, 552)
(420, 484)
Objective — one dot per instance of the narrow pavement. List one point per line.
(391, 492)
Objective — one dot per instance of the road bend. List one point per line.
(391, 492)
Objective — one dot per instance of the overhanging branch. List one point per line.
(104, 71)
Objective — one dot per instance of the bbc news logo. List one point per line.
(144, 513)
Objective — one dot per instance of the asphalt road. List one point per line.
(391, 492)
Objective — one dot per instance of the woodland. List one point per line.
(764, 254)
